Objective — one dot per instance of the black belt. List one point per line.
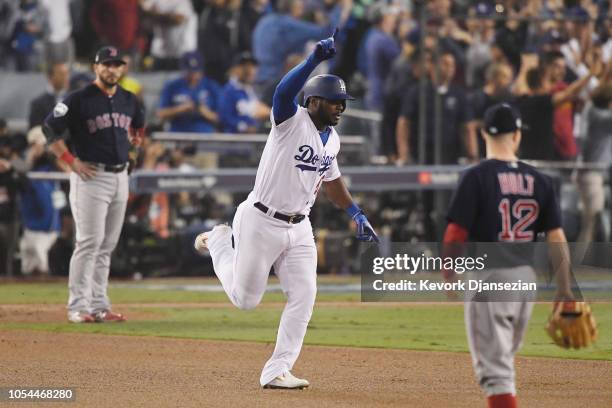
(111, 168)
(291, 219)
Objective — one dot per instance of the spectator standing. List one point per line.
(58, 77)
(443, 29)
(580, 31)
(116, 22)
(497, 90)
(550, 41)
(406, 70)
(224, 30)
(563, 117)
(537, 106)
(456, 116)
(381, 49)
(482, 35)
(597, 149)
(240, 109)
(30, 28)
(41, 201)
(511, 38)
(220, 37)
(250, 13)
(59, 46)
(352, 38)
(175, 30)
(8, 17)
(283, 32)
(190, 103)
(537, 111)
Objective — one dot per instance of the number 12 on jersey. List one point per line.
(525, 212)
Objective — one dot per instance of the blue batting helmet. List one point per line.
(326, 86)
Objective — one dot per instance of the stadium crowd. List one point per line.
(429, 69)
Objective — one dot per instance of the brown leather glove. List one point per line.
(572, 324)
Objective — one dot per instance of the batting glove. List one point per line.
(326, 49)
(365, 231)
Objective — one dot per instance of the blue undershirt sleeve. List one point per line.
(284, 104)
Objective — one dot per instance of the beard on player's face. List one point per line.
(330, 111)
(109, 81)
(109, 75)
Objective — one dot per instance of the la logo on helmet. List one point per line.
(342, 86)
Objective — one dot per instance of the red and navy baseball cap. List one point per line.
(108, 54)
(500, 119)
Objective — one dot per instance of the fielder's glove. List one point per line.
(572, 324)
(325, 49)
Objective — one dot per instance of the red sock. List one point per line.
(502, 401)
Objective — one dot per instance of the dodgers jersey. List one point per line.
(294, 163)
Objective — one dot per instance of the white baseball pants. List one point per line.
(98, 207)
(261, 242)
(495, 332)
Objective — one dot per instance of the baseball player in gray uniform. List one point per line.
(271, 228)
(504, 200)
(98, 123)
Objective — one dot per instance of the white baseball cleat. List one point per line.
(287, 381)
(202, 240)
(80, 317)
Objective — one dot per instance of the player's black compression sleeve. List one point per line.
(57, 123)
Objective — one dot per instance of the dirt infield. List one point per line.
(124, 371)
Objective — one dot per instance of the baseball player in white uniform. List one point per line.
(271, 227)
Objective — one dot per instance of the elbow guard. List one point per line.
(53, 136)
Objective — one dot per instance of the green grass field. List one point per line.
(415, 326)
